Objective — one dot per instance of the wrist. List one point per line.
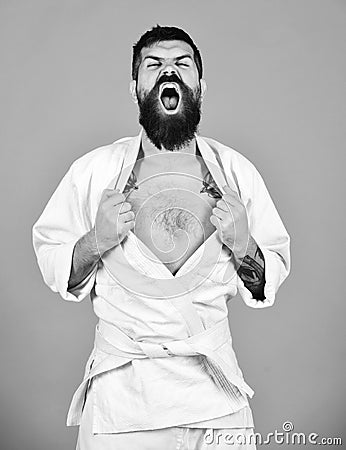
(238, 251)
(95, 246)
(100, 245)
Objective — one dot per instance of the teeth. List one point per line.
(169, 86)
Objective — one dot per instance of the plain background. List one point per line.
(276, 76)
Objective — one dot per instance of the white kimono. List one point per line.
(163, 352)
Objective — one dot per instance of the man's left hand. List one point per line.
(230, 219)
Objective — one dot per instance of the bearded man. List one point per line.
(162, 230)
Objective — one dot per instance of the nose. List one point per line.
(169, 70)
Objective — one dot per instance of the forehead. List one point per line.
(168, 49)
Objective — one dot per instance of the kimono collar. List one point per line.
(208, 155)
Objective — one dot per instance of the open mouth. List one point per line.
(170, 96)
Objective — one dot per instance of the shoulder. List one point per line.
(101, 157)
(239, 169)
(232, 160)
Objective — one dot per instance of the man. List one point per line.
(161, 230)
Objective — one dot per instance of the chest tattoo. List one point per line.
(131, 183)
(210, 187)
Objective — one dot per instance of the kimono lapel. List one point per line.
(136, 268)
(128, 162)
(217, 172)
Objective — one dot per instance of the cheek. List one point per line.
(142, 93)
(146, 80)
(192, 80)
(144, 89)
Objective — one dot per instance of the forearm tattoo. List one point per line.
(252, 273)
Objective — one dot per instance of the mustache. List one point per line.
(169, 79)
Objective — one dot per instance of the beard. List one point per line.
(170, 131)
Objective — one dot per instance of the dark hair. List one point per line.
(159, 34)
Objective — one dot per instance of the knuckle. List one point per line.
(103, 208)
(123, 207)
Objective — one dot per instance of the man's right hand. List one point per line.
(114, 219)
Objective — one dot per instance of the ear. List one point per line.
(133, 92)
(203, 87)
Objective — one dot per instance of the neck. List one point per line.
(150, 149)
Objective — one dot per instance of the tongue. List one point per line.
(170, 102)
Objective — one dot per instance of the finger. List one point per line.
(222, 204)
(215, 221)
(124, 207)
(120, 209)
(109, 192)
(220, 214)
(233, 198)
(114, 199)
(127, 216)
(230, 191)
(128, 226)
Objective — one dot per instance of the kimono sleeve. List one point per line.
(55, 234)
(272, 238)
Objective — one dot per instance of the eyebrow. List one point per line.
(178, 58)
(183, 57)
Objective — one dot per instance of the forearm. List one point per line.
(85, 256)
(250, 269)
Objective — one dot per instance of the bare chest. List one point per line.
(172, 208)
